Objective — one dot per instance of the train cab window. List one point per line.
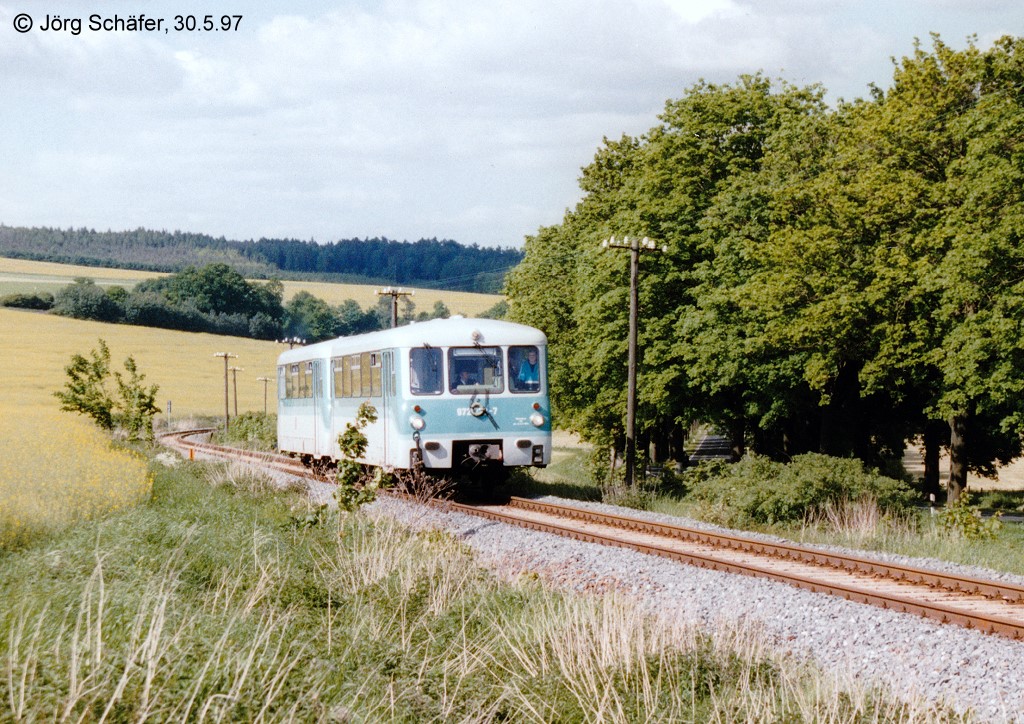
(525, 369)
(425, 372)
(474, 370)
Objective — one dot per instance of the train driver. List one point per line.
(529, 372)
(465, 378)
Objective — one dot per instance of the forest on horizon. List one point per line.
(427, 263)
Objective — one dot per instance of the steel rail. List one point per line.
(988, 623)
(846, 564)
(894, 571)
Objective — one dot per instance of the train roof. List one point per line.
(435, 333)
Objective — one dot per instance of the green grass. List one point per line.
(210, 602)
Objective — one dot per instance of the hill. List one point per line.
(427, 263)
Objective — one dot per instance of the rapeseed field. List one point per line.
(56, 467)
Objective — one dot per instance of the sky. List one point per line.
(453, 119)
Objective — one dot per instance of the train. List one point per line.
(452, 396)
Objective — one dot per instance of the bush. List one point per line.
(760, 490)
(85, 300)
(963, 520)
(251, 430)
(42, 300)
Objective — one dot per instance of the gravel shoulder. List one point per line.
(914, 658)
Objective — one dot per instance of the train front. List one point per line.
(479, 404)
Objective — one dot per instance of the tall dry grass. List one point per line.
(206, 604)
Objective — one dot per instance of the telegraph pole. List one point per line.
(635, 246)
(234, 382)
(264, 380)
(394, 294)
(226, 356)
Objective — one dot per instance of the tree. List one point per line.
(84, 299)
(136, 403)
(87, 392)
(660, 185)
(310, 318)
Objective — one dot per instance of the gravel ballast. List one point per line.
(914, 658)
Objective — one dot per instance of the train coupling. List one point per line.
(484, 452)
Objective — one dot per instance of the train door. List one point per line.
(322, 400)
(371, 378)
(387, 402)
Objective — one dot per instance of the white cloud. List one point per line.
(449, 118)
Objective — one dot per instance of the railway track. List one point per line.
(989, 606)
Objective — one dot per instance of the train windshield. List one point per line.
(524, 363)
(473, 370)
(425, 375)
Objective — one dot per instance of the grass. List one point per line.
(210, 603)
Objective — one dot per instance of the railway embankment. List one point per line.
(917, 659)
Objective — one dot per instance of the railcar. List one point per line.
(451, 395)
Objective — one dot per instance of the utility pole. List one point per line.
(226, 356)
(234, 382)
(394, 294)
(264, 380)
(635, 246)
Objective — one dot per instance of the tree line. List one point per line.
(217, 299)
(837, 279)
(428, 263)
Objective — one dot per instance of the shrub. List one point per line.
(251, 430)
(355, 487)
(963, 520)
(42, 300)
(760, 490)
(85, 300)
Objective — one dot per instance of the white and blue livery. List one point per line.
(453, 395)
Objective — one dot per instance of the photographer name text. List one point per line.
(142, 23)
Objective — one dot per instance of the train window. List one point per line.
(425, 372)
(298, 380)
(307, 379)
(355, 369)
(365, 374)
(346, 377)
(524, 369)
(375, 390)
(282, 383)
(472, 370)
(338, 377)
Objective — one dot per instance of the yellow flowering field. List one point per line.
(57, 467)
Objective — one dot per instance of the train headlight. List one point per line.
(417, 422)
(537, 419)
